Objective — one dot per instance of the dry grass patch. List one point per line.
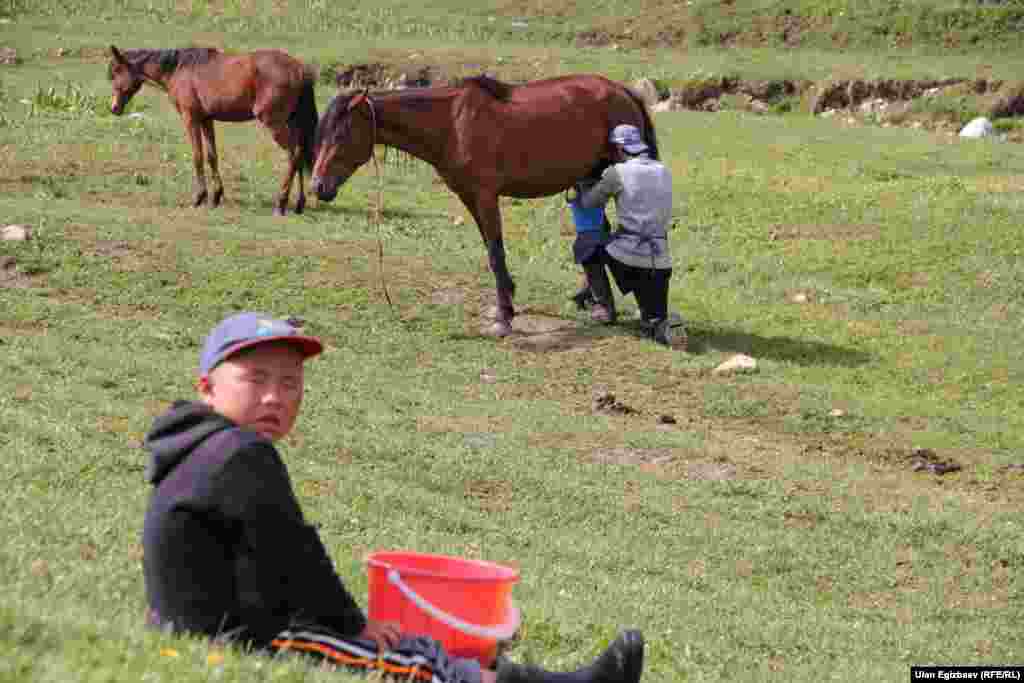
(114, 424)
(912, 280)
(795, 184)
(23, 328)
(12, 278)
(914, 328)
(997, 183)
(318, 488)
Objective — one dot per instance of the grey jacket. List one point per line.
(642, 188)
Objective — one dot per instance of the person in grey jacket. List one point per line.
(229, 555)
(638, 253)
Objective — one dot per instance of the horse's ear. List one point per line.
(118, 57)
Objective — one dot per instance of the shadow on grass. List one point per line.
(542, 331)
(776, 348)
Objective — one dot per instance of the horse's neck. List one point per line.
(418, 122)
(157, 76)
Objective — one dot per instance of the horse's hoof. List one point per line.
(278, 211)
(200, 198)
(300, 205)
(499, 329)
(217, 196)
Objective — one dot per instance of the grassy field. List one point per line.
(777, 531)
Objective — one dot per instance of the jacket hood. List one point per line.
(175, 433)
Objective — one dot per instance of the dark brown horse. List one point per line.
(207, 85)
(486, 139)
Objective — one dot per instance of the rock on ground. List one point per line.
(9, 56)
(977, 128)
(671, 104)
(738, 363)
(16, 233)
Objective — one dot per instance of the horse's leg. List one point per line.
(287, 140)
(504, 285)
(195, 135)
(211, 159)
(488, 218)
(300, 202)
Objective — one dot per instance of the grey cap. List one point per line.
(628, 137)
(243, 330)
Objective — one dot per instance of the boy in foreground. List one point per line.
(228, 553)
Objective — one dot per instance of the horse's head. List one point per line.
(345, 137)
(126, 79)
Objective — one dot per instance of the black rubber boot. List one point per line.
(603, 310)
(670, 331)
(622, 662)
(583, 296)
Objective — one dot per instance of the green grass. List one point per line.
(786, 538)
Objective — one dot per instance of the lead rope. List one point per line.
(376, 214)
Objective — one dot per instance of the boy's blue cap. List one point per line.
(628, 137)
(243, 330)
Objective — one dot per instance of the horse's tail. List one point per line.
(650, 136)
(305, 118)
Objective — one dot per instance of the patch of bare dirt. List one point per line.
(11, 277)
(535, 330)
(594, 38)
(711, 471)
(843, 94)
(466, 424)
(605, 402)
(112, 248)
(621, 455)
(802, 520)
(448, 296)
(492, 495)
(9, 56)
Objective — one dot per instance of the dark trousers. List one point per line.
(415, 658)
(648, 285)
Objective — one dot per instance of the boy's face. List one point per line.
(259, 388)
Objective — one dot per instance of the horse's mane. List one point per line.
(169, 60)
(499, 90)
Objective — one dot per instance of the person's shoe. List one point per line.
(583, 298)
(603, 310)
(622, 662)
(602, 314)
(670, 331)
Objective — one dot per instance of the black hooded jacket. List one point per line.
(227, 550)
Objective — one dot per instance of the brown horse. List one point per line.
(207, 85)
(486, 139)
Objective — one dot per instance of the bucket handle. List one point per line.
(504, 632)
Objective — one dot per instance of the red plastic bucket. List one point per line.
(464, 604)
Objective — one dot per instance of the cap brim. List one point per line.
(308, 346)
